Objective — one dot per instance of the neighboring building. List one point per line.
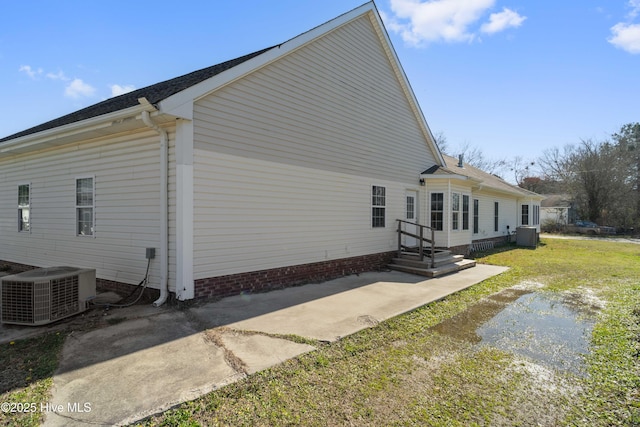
(285, 166)
(556, 211)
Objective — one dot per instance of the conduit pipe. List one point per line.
(164, 206)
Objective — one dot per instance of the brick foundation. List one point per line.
(277, 278)
(252, 282)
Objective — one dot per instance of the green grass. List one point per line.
(401, 373)
(26, 376)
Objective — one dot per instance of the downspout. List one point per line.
(164, 205)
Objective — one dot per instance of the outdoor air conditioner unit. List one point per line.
(45, 295)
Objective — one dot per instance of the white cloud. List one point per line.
(501, 21)
(119, 90)
(57, 76)
(424, 21)
(435, 20)
(626, 37)
(635, 8)
(77, 88)
(30, 71)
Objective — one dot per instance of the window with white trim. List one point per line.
(476, 216)
(465, 212)
(378, 206)
(525, 215)
(85, 212)
(496, 221)
(536, 214)
(411, 208)
(455, 211)
(437, 211)
(24, 207)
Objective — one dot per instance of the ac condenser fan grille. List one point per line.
(64, 297)
(17, 302)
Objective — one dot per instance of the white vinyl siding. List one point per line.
(508, 214)
(255, 215)
(126, 203)
(335, 104)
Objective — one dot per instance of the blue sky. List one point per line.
(511, 77)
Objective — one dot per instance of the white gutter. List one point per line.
(164, 204)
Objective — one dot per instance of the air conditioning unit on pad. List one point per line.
(45, 295)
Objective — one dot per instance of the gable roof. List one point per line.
(154, 94)
(175, 97)
(556, 201)
(480, 177)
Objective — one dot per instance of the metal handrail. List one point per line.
(420, 237)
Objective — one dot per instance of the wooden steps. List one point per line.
(444, 263)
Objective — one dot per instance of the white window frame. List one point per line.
(410, 207)
(476, 216)
(536, 215)
(524, 216)
(438, 222)
(378, 204)
(455, 211)
(465, 213)
(21, 208)
(91, 206)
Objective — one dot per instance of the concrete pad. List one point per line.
(260, 352)
(151, 359)
(340, 307)
(134, 369)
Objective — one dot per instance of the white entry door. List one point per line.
(411, 215)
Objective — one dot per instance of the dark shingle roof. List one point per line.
(451, 167)
(154, 94)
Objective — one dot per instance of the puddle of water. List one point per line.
(547, 328)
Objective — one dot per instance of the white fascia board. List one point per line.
(51, 136)
(181, 104)
(449, 177)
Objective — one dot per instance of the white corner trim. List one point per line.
(185, 288)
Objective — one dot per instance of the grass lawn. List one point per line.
(403, 373)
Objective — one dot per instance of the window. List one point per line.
(455, 211)
(437, 211)
(465, 212)
(525, 214)
(84, 206)
(24, 207)
(476, 216)
(495, 216)
(378, 206)
(411, 208)
(536, 215)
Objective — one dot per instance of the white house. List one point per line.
(468, 205)
(557, 210)
(284, 166)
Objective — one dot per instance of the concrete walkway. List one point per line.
(149, 360)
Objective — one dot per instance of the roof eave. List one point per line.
(92, 127)
(447, 174)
